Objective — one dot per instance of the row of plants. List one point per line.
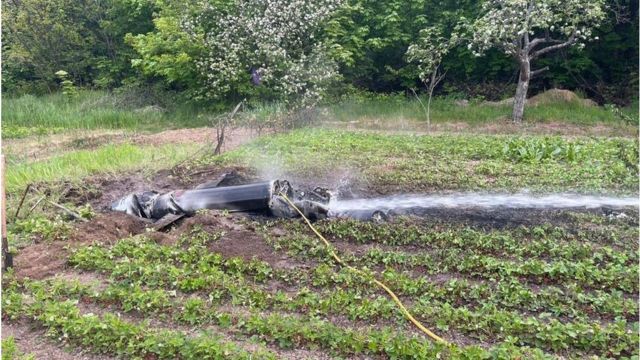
(572, 301)
(586, 272)
(109, 334)
(545, 333)
(544, 242)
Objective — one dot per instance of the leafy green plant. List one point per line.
(534, 151)
(68, 88)
(10, 350)
(44, 229)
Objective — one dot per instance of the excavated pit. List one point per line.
(44, 259)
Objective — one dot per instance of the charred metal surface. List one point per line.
(262, 196)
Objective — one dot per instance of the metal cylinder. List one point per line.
(233, 198)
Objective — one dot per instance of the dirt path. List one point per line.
(37, 148)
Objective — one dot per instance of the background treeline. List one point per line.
(109, 44)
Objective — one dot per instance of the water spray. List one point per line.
(318, 203)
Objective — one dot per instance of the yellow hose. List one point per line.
(395, 298)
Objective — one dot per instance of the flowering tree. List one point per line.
(528, 29)
(271, 45)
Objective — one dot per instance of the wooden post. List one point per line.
(7, 260)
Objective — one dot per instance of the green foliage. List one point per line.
(10, 350)
(43, 228)
(169, 53)
(112, 43)
(463, 162)
(538, 150)
(86, 38)
(68, 89)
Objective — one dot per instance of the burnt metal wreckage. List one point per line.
(266, 196)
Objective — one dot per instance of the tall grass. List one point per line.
(29, 115)
(449, 110)
(76, 165)
(53, 113)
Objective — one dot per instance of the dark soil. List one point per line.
(239, 238)
(499, 218)
(101, 191)
(108, 228)
(49, 258)
(40, 261)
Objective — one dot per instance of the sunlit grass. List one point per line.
(107, 159)
(29, 115)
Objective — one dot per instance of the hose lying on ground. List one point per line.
(395, 298)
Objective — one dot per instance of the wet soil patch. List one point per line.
(500, 218)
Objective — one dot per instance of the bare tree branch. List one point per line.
(570, 41)
(539, 71)
(620, 12)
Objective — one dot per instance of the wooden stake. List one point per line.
(24, 195)
(7, 259)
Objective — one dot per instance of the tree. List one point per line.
(369, 38)
(428, 53)
(85, 38)
(270, 48)
(529, 29)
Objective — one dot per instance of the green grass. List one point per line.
(30, 115)
(76, 165)
(446, 110)
(392, 163)
(10, 350)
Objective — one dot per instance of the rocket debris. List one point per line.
(262, 196)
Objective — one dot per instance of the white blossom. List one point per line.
(276, 38)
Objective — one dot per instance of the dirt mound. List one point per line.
(101, 191)
(555, 96)
(239, 238)
(47, 259)
(40, 260)
(108, 228)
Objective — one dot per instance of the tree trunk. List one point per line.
(521, 92)
(432, 86)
